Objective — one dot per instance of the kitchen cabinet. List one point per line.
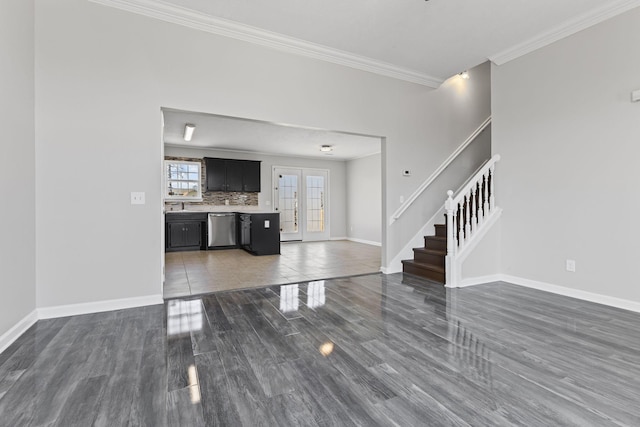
(184, 231)
(232, 175)
(216, 174)
(251, 176)
(260, 233)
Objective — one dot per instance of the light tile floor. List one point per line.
(200, 272)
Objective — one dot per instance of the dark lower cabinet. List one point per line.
(260, 233)
(185, 231)
(185, 235)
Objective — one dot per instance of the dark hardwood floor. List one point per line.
(367, 350)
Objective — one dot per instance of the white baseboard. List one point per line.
(338, 238)
(18, 329)
(391, 269)
(366, 242)
(480, 280)
(573, 293)
(98, 306)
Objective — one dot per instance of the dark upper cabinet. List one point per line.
(232, 175)
(251, 176)
(216, 174)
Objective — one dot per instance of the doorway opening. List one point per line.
(301, 195)
(338, 195)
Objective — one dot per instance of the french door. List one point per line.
(301, 196)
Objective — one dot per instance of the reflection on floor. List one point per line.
(371, 350)
(199, 272)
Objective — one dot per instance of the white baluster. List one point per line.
(479, 190)
(467, 219)
(486, 195)
(492, 198)
(474, 214)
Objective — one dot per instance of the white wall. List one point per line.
(484, 259)
(102, 77)
(570, 143)
(17, 174)
(447, 118)
(337, 178)
(364, 199)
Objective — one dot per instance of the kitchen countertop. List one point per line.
(220, 211)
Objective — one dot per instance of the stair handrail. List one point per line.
(472, 181)
(398, 213)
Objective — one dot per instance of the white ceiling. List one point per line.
(237, 134)
(421, 41)
(438, 38)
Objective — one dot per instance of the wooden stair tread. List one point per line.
(423, 265)
(429, 261)
(430, 251)
(436, 237)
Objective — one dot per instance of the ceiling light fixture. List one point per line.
(464, 75)
(326, 148)
(188, 131)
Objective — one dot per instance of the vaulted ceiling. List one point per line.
(421, 41)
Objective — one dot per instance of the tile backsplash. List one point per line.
(213, 198)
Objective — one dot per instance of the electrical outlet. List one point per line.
(571, 265)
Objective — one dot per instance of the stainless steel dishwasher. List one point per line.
(221, 229)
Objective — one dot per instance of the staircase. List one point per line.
(429, 262)
(469, 215)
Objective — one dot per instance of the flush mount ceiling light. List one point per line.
(326, 148)
(188, 131)
(464, 75)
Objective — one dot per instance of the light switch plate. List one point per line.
(571, 265)
(635, 96)
(137, 198)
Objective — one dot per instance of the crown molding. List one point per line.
(189, 18)
(568, 28)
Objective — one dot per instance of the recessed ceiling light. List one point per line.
(326, 148)
(464, 75)
(188, 131)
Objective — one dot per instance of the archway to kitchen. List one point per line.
(193, 263)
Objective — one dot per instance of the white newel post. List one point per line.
(451, 243)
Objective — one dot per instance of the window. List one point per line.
(182, 180)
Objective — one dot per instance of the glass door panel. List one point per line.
(287, 200)
(301, 197)
(316, 205)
